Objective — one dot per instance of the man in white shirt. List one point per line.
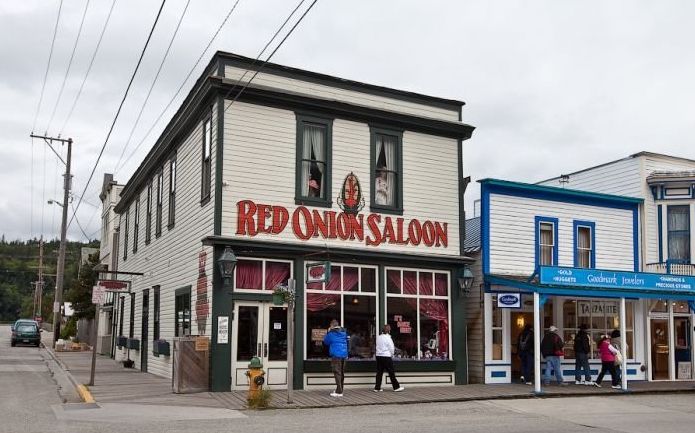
(384, 360)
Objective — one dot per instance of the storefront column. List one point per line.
(536, 343)
(220, 352)
(623, 346)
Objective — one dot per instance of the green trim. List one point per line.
(298, 368)
(563, 191)
(459, 330)
(397, 209)
(205, 198)
(220, 354)
(219, 164)
(369, 366)
(381, 296)
(327, 123)
(260, 297)
(461, 196)
(183, 290)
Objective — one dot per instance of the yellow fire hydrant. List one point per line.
(256, 376)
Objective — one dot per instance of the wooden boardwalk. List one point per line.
(117, 384)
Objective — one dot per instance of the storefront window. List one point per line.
(681, 307)
(496, 330)
(417, 308)
(601, 317)
(658, 306)
(257, 274)
(349, 297)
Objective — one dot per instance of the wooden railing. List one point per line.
(670, 268)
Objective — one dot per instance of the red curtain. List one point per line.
(440, 285)
(437, 309)
(426, 283)
(350, 277)
(249, 274)
(409, 283)
(276, 273)
(334, 282)
(319, 301)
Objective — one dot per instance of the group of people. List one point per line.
(552, 349)
(337, 341)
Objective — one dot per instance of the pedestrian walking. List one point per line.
(617, 342)
(384, 360)
(524, 346)
(551, 349)
(607, 353)
(582, 353)
(337, 341)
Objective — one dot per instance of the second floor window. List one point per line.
(207, 160)
(160, 191)
(125, 235)
(148, 218)
(136, 225)
(547, 243)
(584, 255)
(386, 179)
(172, 192)
(313, 161)
(678, 224)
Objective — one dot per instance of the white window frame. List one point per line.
(263, 260)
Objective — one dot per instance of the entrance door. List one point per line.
(145, 325)
(518, 321)
(660, 349)
(259, 329)
(683, 349)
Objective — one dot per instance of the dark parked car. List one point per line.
(25, 333)
(24, 321)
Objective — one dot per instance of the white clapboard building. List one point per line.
(299, 169)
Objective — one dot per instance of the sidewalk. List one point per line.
(113, 383)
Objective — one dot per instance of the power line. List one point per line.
(48, 66)
(125, 95)
(271, 54)
(149, 92)
(183, 83)
(89, 69)
(78, 224)
(67, 71)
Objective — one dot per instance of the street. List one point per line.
(30, 402)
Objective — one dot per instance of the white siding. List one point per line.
(512, 234)
(171, 260)
(335, 93)
(259, 165)
(622, 177)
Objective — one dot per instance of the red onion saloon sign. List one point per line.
(373, 229)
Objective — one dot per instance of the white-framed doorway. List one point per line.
(259, 329)
(670, 341)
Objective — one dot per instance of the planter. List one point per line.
(133, 343)
(161, 347)
(278, 298)
(121, 341)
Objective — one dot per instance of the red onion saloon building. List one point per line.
(302, 168)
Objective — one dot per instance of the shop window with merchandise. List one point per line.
(417, 308)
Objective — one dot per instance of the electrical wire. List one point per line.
(67, 71)
(89, 69)
(271, 55)
(120, 107)
(48, 66)
(149, 92)
(79, 225)
(183, 83)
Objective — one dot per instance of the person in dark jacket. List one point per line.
(337, 341)
(524, 347)
(551, 349)
(582, 352)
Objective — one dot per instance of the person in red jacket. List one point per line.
(607, 352)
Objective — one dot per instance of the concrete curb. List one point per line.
(80, 389)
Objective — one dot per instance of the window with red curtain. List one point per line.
(249, 274)
(276, 273)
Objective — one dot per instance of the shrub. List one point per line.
(69, 330)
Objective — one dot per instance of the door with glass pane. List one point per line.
(683, 351)
(660, 348)
(259, 329)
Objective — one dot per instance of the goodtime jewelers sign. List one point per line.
(560, 276)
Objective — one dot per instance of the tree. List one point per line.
(80, 292)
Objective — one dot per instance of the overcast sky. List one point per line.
(551, 86)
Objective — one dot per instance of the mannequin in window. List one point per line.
(381, 187)
(314, 180)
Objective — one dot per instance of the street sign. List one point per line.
(117, 286)
(98, 295)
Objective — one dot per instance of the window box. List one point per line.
(161, 348)
(121, 341)
(133, 343)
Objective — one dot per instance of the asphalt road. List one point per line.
(30, 402)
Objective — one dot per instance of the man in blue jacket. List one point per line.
(337, 341)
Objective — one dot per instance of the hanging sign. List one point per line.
(202, 344)
(117, 286)
(98, 295)
(509, 300)
(319, 272)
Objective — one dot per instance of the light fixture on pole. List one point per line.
(227, 263)
(465, 279)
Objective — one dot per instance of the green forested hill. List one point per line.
(19, 261)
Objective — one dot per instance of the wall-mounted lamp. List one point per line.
(465, 279)
(227, 263)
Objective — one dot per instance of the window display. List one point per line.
(417, 308)
(349, 297)
(601, 316)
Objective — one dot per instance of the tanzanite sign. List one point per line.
(558, 276)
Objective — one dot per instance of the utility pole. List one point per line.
(38, 286)
(60, 271)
